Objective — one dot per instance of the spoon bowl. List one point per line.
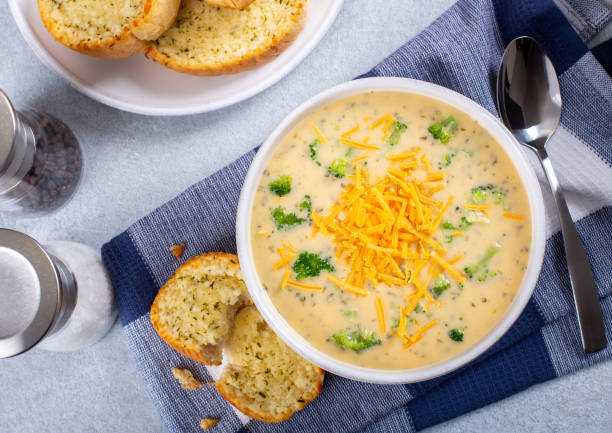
(528, 93)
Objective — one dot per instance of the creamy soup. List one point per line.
(390, 230)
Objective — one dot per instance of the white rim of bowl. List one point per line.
(80, 85)
(405, 85)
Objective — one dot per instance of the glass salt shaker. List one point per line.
(41, 161)
(56, 297)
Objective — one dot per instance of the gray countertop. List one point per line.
(135, 163)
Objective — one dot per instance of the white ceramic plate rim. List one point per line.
(278, 323)
(82, 86)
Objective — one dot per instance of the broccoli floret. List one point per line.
(447, 225)
(397, 128)
(311, 265)
(306, 204)
(281, 186)
(499, 196)
(444, 130)
(480, 194)
(446, 161)
(440, 285)
(285, 220)
(313, 150)
(481, 265)
(456, 334)
(418, 309)
(351, 314)
(395, 323)
(465, 222)
(356, 339)
(338, 167)
(486, 275)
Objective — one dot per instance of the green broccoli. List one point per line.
(338, 167)
(397, 128)
(281, 186)
(285, 220)
(465, 222)
(313, 150)
(311, 265)
(447, 225)
(444, 130)
(499, 196)
(480, 194)
(486, 275)
(351, 314)
(306, 204)
(456, 334)
(481, 265)
(356, 339)
(440, 285)
(446, 161)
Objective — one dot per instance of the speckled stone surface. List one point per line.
(135, 163)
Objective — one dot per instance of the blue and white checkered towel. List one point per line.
(461, 50)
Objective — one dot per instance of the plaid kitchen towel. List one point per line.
(460, 50)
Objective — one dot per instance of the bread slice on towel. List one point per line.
(265, 379)
(234, 4)
(194, 311)
(210, 40)
(107, 28)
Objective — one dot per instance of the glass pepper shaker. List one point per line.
(57, 297)
(41, 161)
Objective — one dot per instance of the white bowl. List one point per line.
(276, 320)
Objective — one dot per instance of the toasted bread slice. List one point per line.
(107, 28)
(209, 40)
(234, 4)
(265, 378)
(194, 311)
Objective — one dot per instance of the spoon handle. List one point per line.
(581, 276)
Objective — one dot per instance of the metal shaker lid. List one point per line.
(29, 291)
(8, 129)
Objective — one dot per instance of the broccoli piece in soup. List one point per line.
(338, 167)
(281, 186)
(306, 204)
(313, 150)
(310, 265)
(480, 194)
(397, 128)
(440, 285)
(456, 334)
(481, 265)
(285, 220)
(444, 130)
(356, 339)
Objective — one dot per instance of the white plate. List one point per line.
(142, 86)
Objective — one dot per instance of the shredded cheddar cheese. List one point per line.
(382, 230)
(318, 133)
(380, 311)
(303, 286)
(513, 216)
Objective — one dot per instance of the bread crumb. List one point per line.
(186, 379)
(177, 250)
(207, 423)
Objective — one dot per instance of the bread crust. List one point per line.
(230, 264)
(156, 18)
(262, 416)
(253, 60)
(233, 4)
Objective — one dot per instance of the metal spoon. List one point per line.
(529, 102)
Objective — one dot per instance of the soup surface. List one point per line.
(390, 230)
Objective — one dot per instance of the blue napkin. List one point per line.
(460, 50)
